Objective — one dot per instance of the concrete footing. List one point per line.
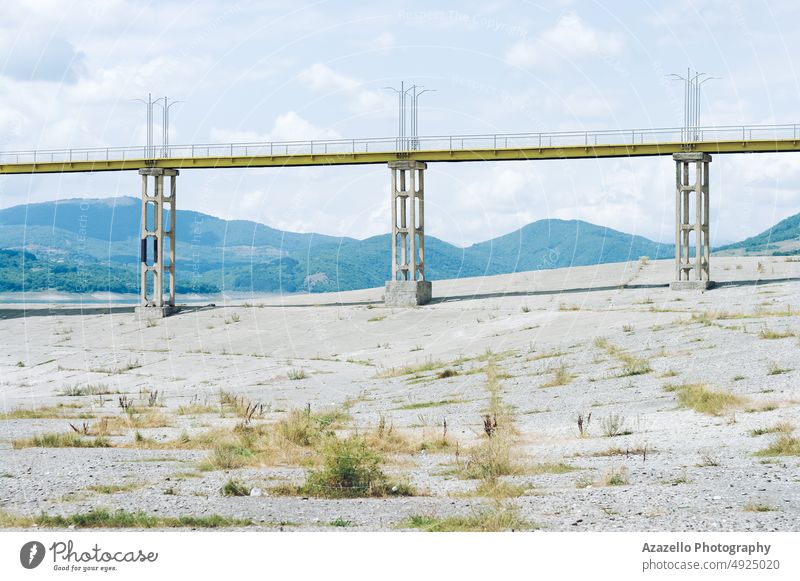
(155, 312)
(682, 285)
(407, 293)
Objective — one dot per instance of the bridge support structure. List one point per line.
(408, 287)
(157, 241)
(692, 222)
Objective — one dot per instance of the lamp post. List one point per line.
(402, 119)
(166, 107)
(691, 103)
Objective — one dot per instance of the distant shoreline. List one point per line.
(105, 298)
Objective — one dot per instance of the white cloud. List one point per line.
(323, 79)
(288, 126)
(570, 39)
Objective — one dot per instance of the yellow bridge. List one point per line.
(492, 147)
(691, 148)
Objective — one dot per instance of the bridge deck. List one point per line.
(530, 146)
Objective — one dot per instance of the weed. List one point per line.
(583, 424)
(429, 404)
(708, 459)
(615, 476)
(767, 333)
(234, 487)
(113, 488)
(698, 397)
(351, 468)
(486, 519)
(785, 445)
(783, 428)
(296, 374)
(561, 376)
(65, 440)
(90, 389)
(775, 369)
(757, 507)
(614, 425)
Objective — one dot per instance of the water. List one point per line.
(106, 298)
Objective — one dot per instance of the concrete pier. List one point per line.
(157, 241)
(408, 286)
(692, 222)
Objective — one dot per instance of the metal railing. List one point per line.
(494, 141)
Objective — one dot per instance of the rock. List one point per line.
(255, 492)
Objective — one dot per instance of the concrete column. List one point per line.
(408, 286)
(692, 272)
(155, 235)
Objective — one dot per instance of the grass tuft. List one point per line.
(698, 397)
(487, 519)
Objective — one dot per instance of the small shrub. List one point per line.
(350, 468)
(447, 373)
(616, 476)
(775, 369)
(227, 456)
(614, 425)
(296, 374)
(235, 487)
(490, 459)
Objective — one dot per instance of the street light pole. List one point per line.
(165, 130)
(404, 122)
(691, 103)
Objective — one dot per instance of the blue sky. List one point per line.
(255, 70)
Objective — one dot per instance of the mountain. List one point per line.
(89, 245)
(782, 239)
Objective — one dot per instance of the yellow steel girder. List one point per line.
(500, 154)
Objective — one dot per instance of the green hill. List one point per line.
(85, 245)
(782, 239)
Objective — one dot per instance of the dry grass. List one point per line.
(103, 518)
(498, 489)
(614, 476)
(114, 488)
(84, 390)
(195, 409)
(561, 376)
(427, 365)
(782, 428)
(491, 457)
(757, 507)
(698, 397)
(784, 445)
(58, 411)
(767, 333)
(116, 425)
(61, 440)
(496, 518)
(632, 365)
(551, 468)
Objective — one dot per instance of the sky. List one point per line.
(70, 72)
